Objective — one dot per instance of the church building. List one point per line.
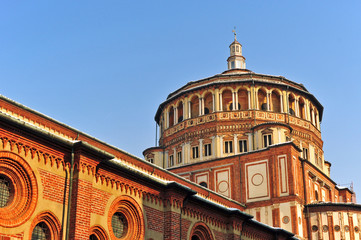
(256, 139)
(239, 157)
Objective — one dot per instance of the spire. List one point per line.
(236, 60)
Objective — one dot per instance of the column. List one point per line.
(200, 149)
(236, 98)
(221, 145)
(213, 103)
(235, 144)
(249, 99)
(285, 102)
(220, 102)
(189, 109)
(281, 102)
(216, 100)
(175, 114)
(166, 118)
(250, 142)
(268, 107)
(184, 110)
(200, 106)
(233, 102)
(202, 109)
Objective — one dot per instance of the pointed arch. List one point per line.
(47, 222)
(201, 231)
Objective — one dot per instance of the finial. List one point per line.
(235, 34)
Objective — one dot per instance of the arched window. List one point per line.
(194, 107)
(200, 231)
(242, 99)
(180, 112)
(227, 100)
(291, 104)
(208, 103)
(46, 227)
(40, 232)
(302, 108)
(93, 237)
(262, 100)
(203, 184)
(97, 233)
(276, 102)
(171, 116)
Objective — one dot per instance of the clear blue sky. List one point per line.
(104, 67)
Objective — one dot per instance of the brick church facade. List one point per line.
(239, 157)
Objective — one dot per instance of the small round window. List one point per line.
(119, 225)
(40, 232)
(5, 191)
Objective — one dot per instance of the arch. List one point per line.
(242, 99)
(262, 99)
(302, 103)
(23, 190)
(291, 104)
(50, 221)
(171, 116)
(208, 103)
(194, 106)
(201, 231)
(98, 232)
(180, 111)
(276, 101)
(132, 215)
(227, 100)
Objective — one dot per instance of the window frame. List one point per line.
(228, 146)
(195, 152)
(207, 149)
(243, 144)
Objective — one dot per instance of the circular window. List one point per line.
(18, 190)
(337, 228)
(325, 228)
(357, 229)
(314, 228)
(119, 225)
(285, 219)
(5, 191)
(347, 228)
(125, 219)
(40, 232)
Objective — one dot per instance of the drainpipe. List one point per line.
(305, 196)
(70, 192)
(254, 115)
